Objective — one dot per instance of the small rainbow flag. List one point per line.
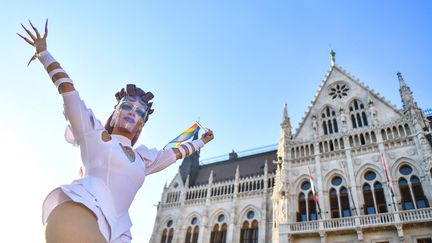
(190, 132)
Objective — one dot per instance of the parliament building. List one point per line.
(357, 169)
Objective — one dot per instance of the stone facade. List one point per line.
(339, 151)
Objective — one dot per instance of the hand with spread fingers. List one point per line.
(38, 41)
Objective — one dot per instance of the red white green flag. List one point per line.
(315, 197)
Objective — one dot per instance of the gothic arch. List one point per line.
(300, 181)
(405, 161)
(215, 215)
(322, 109)
(351, 100)
(369, 166)
(189, 218)
(247, 208)
(165, 220)
(329, 176)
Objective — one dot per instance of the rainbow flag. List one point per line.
(190, 132)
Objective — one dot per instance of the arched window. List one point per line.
(307, 209)
(223, 233)
(195, 234)
(358, 114)
(244, 233)
(168, 232)
(339, 199)
(192, 236)
(188, 235)
(411, 189)
(344, 199)
(334, 203)
(373, 194)
(214, 234)
(254, 233)
(218, 234)
(164, 236)
(249, 230)
(329, 122)
(170, 235)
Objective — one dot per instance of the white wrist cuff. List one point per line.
(62, 80)
(55, 71)
(189, 147)
(45, 58)
(197, 144)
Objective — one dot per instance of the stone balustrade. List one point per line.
(362, 221)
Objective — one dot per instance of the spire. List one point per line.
(237, 174)
(286, 122)
(187, 181)
(285, 134)
(332, 57)
(405, 93)
(211, 177)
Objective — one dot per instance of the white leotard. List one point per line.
(111, 180)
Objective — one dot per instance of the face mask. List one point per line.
(130, 114)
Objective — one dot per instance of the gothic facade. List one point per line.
(357, 169)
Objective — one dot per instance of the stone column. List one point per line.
(352, 182)
(204, 229)
(232, 235)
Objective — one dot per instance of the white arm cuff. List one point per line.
(182, 151)
(197, 144)
(62, 80)
(45, 58)
(55, 71)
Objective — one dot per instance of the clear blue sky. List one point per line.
(231, 64)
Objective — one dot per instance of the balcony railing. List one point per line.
(363, 221)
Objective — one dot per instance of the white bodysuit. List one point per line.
(111, 179)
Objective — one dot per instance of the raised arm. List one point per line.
(58, 76)
(157, 160)
(80, 118)
(188, 148)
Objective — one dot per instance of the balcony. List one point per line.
(362, 221)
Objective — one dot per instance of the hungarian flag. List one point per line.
(311, 180)
(387, 175)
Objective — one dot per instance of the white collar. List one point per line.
(123, 140)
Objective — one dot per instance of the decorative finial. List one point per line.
(332, 56)
(399, 74)
(401, 80)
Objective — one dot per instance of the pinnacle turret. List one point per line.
(286, 122)
(285, 134)
(406, 94)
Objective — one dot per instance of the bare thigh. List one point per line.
(72, 222)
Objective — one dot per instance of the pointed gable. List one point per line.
(339, 92)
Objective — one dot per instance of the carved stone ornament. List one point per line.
(375, 158)
(325, 167)
(357, 161)
(412, 151)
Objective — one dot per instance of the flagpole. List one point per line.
(203, 128)
(389, 181)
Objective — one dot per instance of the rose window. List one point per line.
(339, 90)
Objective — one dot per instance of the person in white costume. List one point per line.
(94, 208)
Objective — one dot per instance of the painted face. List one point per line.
(130, 114)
